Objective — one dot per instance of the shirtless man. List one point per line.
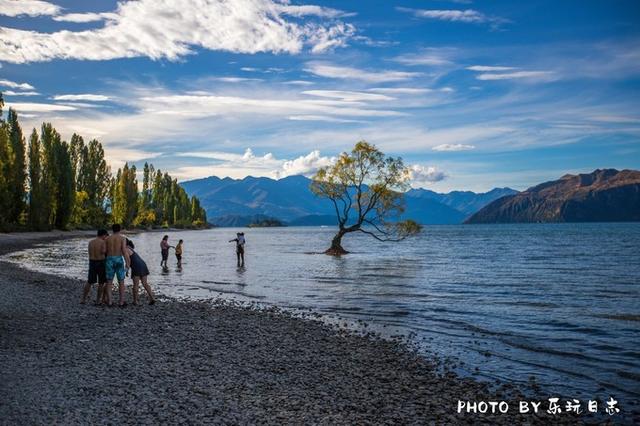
(97, 252)
(115, 265)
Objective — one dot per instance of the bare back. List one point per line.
(115, 245)
(97, 249)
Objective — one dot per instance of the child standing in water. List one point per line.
(179, 253)
(240, 241)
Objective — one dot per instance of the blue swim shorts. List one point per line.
(114, 266)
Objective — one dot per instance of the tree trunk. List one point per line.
(336, 245)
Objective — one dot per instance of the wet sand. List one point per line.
(209, 362)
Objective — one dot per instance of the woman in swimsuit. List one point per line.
(139, 272)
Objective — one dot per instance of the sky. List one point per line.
(472, 94)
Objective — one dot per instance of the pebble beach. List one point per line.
(181, 362)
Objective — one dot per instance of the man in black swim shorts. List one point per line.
(97, 271)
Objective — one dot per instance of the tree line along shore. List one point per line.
(48, 183)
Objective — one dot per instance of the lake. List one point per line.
(560, 302)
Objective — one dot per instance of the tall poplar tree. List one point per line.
(37, 198)
(5, 167)
(16, 177)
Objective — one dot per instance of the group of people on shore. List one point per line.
(113, 256)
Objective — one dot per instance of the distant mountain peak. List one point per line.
(604, 195)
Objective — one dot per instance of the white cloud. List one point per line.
(401, 90)
(172, 28)
(236, 79)
(85, 17)
(466, 16)
(39, 107)
(14, 85)
(341, 72)
(347, 95)
(116, 155)
(248, 164)
(325, 118)
(12, 93)
(410, 90)
(533, 75)
(299, 82)
(434, 57)
(419, 174)
(306, 165)
(484, 68)
(28, 7)
(323, 39)
(453, 147)
(323, 12)
(82, 97)
(210, 105)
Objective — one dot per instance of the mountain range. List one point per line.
(239, 202)
(606, 195)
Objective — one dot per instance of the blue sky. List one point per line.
(472, 94)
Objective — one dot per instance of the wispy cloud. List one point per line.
(466, 16)
(28, 7)
(531, 75)
(453, 147)
(623, 119)
(236, 79)
(348, 95)
(39, 107)
(432, 56)
(82, 97)
(342, 72)
(485, 68)
(211, 105)
(299, 82)
(12, 93)
(172, 28)
(324, 118)
(410, 90)
(14, 85)
(85, 17)
(305, 10)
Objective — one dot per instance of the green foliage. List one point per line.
(66, 185)
(164, 202)
(124, 199)
(37, 196)
(5, 167)
(16, 173)
(366, 189)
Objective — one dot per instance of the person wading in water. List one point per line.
(164, 250)
(240, 242)
(179, 253)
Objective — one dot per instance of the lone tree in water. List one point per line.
(366, 189)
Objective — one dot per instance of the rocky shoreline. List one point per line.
(210, 362)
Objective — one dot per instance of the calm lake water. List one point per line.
(560, 302)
